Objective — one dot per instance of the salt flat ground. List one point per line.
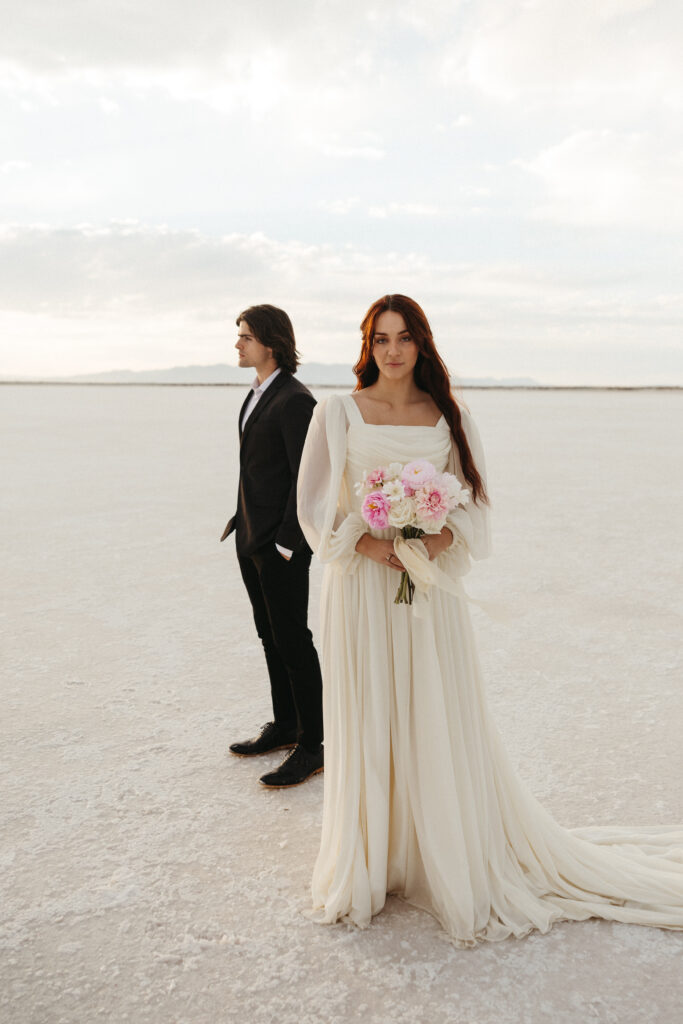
(148, 878)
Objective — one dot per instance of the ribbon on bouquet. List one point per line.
(426, 574)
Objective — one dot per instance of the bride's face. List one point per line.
(393, 349)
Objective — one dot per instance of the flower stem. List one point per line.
(406, 588)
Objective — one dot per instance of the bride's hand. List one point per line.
(436, 543)
(381, 551)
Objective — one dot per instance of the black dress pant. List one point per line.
(278, 591)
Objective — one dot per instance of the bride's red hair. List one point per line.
(430, 375)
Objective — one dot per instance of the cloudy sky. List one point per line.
(516, 167)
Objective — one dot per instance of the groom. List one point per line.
(273, 555)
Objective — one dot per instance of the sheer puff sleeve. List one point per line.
(470, 524)
(324, 509)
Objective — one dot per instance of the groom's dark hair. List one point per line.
(273, 328)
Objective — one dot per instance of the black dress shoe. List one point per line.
(295, 769)
(271, 737)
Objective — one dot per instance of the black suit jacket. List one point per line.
(270, 452)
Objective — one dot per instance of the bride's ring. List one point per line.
(389, 557)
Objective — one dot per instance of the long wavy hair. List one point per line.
(430, 375)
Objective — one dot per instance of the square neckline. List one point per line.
(402, 426)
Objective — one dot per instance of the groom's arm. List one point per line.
(296, 417)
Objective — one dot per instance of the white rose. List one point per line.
(402, 513)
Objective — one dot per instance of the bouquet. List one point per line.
(415, 498)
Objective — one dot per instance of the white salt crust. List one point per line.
(146, 877)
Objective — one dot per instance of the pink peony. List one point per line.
(375, 510)
(376, 477)
(432, 503)
(416, 474)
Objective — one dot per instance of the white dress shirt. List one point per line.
(257, 389)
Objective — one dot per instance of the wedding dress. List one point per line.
(420, 796)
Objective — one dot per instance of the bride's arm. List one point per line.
(470, 524)
(331, 534)
(437, 543)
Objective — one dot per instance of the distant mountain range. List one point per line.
(313, 374)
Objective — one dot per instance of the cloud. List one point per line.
(298, 58)
(337, 152)
(128, 294)
(12, 166)
(515, 166)
(461, 121)
(339, 207)
(44, 37)
(237, 54)
(607, 177)
(134, 268)
(403, 209)
(109, 107)
(578, 54)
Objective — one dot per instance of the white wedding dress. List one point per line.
(420, 796)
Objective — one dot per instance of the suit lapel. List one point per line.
(263, 401)
(244, 406)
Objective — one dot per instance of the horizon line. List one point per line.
(239, 384)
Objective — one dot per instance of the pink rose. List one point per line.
(375, 510)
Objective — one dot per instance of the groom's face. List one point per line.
(250, 351)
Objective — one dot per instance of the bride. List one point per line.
(420, 797)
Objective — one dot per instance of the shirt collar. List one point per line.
(259, 388)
